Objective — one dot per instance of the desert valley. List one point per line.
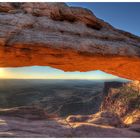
(69, 108)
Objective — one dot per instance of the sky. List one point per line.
(50, 73)
(124, 16)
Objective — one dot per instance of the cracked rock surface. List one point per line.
(32, 122)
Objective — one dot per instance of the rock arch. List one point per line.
(67, 38)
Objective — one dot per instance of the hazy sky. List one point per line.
(51, 73)
(124, 16)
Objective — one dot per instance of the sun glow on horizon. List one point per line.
(2, 72)
(40, 72)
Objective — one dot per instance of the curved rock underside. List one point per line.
(67, 38)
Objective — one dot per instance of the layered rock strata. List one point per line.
(67, 38)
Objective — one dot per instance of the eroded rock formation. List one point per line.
(124, 101)
(109, 85)
(67, 38)
(39, 124)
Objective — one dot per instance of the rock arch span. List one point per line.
(67, 38)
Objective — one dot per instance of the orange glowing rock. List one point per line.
(67, 38)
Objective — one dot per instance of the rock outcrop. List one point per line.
(67, 38)
(110, 85)
(125, 102)
(100, 118)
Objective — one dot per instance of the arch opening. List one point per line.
(56, 91)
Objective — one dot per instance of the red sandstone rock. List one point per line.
(124, 101)
(5, 7)
(67, 38)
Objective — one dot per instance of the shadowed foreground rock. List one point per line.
(67, 38)
(15, 123)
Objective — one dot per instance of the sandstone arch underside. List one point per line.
(67, 38)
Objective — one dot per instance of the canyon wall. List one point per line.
(67, 38)
(124, 101)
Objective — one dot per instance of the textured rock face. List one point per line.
(109, 85)
(40, 125)
(67, 38)
(124, 101)
(102, 118)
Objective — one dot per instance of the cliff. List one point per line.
(67, 38)
(125, 102)
(109, 85)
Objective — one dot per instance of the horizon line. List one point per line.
(59, 79)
